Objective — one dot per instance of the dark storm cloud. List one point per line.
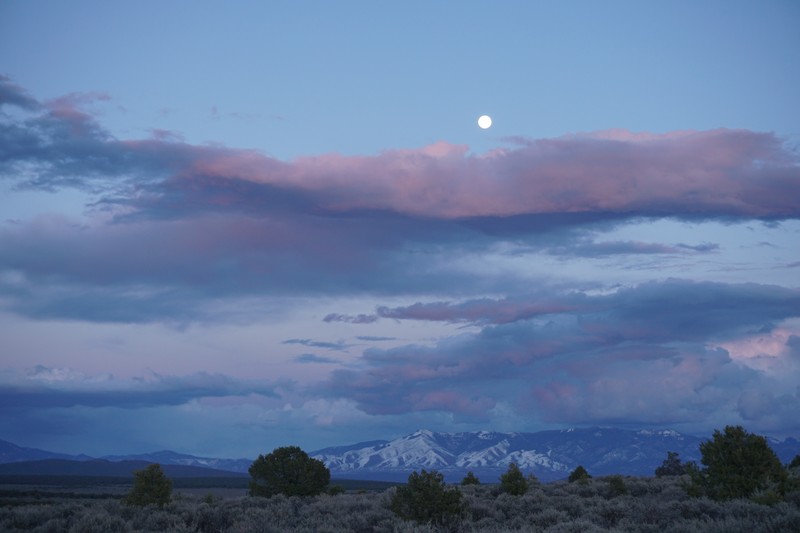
(373, 338)
(313, 358)
(118, 304)
(49, 387)
(14, 95)
(338, 346)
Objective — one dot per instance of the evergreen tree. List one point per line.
(470, 479)
(426, 499)
(738, 464)
(671, 466)
(150, 486)
(513, 481)
(579, 474)
(290, 471)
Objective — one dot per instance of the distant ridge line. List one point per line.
(548, 454)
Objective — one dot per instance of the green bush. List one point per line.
(150, 486)
(427, 499)
(290, 471)
(513, 481)
(738, 464)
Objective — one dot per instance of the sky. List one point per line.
(228, 228)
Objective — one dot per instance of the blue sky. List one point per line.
(228, 229)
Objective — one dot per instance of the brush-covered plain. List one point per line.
(659, 505)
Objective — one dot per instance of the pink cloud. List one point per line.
(618, 173)
(482, 310)
(717, 173)
(708, 173)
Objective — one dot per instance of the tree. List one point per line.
(579, 474)
(150, 486)
(738, 464)
(470, 479)
(513, 482)
(426, 499)
(290, 471)
(671, 466)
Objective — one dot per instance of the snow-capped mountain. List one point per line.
(547, 454)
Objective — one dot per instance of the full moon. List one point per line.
(485, 121)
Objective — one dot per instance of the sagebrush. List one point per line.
(659, 505)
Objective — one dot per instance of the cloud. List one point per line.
(338, 346)
(312, 358)
(14, 95)
(176, 232)
(44, 387)
(586, 248)
(545, 182)
(173, 228)
(719, 173)
(704, 247)
(647, 354)
(486, 309)
(352, 319)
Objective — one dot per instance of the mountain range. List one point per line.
(19, 460)
(550, 455)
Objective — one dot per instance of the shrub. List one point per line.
(738, 464)
(470, 479)
(513, 482)
(150, 486)
(653, 505)
(426, 499)
(579, 474)
(290, 471)
(335, 490)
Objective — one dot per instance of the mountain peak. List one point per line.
(422, 433)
